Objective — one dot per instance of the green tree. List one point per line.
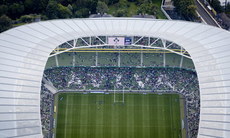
(29, 18)
(63, 12)
(26, 18)
(102, 7)
(216, 5)
(191, 11)
(70, 7)
(122, 4)
(5, 23)
(148, 8)
(52, 10)
(113, 2)
(186, 8)
(92, 6)
(81, 4)
(35, 6)
(121, 12)
(3, 9)
(28, 5)
(82, 13)
(227, 9)
(105, 1)
(65, 2)
(16, 10)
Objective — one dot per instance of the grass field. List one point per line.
(97, 116)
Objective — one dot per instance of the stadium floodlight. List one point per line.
(25, 50)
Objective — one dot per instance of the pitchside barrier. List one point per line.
(127, 67)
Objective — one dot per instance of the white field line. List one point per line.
(66, 111)
(111, 126)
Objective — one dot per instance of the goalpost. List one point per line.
(123, 96)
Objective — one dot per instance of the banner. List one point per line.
(116, 41)
(128, 40)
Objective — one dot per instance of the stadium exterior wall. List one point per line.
(25, 50)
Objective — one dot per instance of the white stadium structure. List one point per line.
(25, 50)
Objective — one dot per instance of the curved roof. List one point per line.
(25, 49)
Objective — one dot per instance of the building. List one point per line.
(25, 49)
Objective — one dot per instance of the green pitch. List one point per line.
(97, 116)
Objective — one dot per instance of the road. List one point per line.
(206, 17)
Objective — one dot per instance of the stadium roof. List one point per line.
(25, 49)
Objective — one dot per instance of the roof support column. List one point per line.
(182, 57)
(96, 58)
(164, 45)
(74, 59)
(119, 59)
(141, 56)
(56, 60)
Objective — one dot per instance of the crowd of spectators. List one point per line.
(47, 99)
(155, 79)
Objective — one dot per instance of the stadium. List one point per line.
(114, 77)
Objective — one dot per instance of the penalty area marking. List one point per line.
(123, 96)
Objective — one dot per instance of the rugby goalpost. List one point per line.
(123, 96)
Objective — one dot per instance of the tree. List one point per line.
(82, 4)
(186, 8)
(65, 2)
(26, 18)
(52, 10)
(92, 6)
(28, 5)
(29, 18)
(63, 12)
(70, 7)
(113, 2)
(3, 9)
(121, 12)
(35, 6)
(191, 11)
(5, 23)
(148, 8)
(216, 5)
(123, 4)
(16, 10)
(102, 7)
(227, 9)
(82, 13)
(105, 1)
